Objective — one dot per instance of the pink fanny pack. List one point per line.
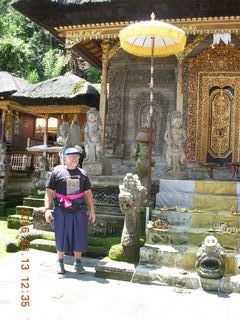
(66, 199)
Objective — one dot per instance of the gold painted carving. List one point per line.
(16, 122)
(8, 125)
(219, 66)
(63, 109)
(75, 37)
(78, 33)
(191, 46)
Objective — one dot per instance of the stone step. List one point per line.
(192, 236)
(50, 246)
(198, 201)
(183, 257)
(152, 274)
(21, 210)
(14, 221)
(193, 194)
(33, 202)
(198, 218)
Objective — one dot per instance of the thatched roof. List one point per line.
(53, 13)
(67, 89)
(10, 84)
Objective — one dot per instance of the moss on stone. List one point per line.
(96, 252)
(106, 242)
(49, 236)
(21, 210)
(14, 221)
(116, 252)
(12, 246)
(45, 245)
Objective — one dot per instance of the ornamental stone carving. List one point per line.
(40, 176)
(160, 111)
(114, 129)
(69, 137)
(93, 136)
(210, 259)
(4, 169)
(175, 136)
(131, 197)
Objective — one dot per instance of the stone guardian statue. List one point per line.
(93, 143)
(131, 197)
(175, 137)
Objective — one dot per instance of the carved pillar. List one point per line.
(59, 122)
(3, 126)
(103, 97)
(180, 84)
(8, 125)
(45, 134)
(16, 123)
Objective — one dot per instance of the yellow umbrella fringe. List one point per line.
(158, 52)
(152, 31)
(147, 30)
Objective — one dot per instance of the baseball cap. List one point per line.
(72, 151)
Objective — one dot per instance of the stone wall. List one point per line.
(14, 185)
(128, 108)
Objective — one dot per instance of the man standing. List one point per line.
(70, 187)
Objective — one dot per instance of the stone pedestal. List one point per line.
(39, 222)
(93, 168)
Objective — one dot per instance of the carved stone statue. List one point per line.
(131, 197)
(210, 259)
(93, 136)
(69, 137)
(40, 176)
(175, 136)
(141, 153)
(5, 168)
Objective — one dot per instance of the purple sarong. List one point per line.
(70, 230)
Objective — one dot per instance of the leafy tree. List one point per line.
(31, 52)
(93, 75)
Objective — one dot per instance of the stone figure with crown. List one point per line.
(69, 137)
(93, 143)
(175, 137)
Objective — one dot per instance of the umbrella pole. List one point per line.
(150, 136)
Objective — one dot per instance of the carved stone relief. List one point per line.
(160, 111)
(113, 137)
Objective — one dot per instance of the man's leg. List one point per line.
(60, 262)
(78, 264)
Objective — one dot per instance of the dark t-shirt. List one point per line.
(61, 176)
(66, 181)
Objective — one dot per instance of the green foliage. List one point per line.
(29, 51)
(33, 76)
(6, 235)
(54, 64)
(25, 47)
(93, 75)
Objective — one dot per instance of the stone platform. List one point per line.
(193, 210)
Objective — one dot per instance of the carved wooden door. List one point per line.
(220, 124)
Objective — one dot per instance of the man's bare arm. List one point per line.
(48, 201)
(89, 198)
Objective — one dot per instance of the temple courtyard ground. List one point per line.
(29, 276)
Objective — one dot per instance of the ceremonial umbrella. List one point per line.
(152, 38)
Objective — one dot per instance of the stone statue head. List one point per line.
(43, 163)
(210, 243)
(64, 127)
(130, 182)
(92, 115)
(176, 120)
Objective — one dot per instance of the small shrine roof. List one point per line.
(10, 84)
(66, 89)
